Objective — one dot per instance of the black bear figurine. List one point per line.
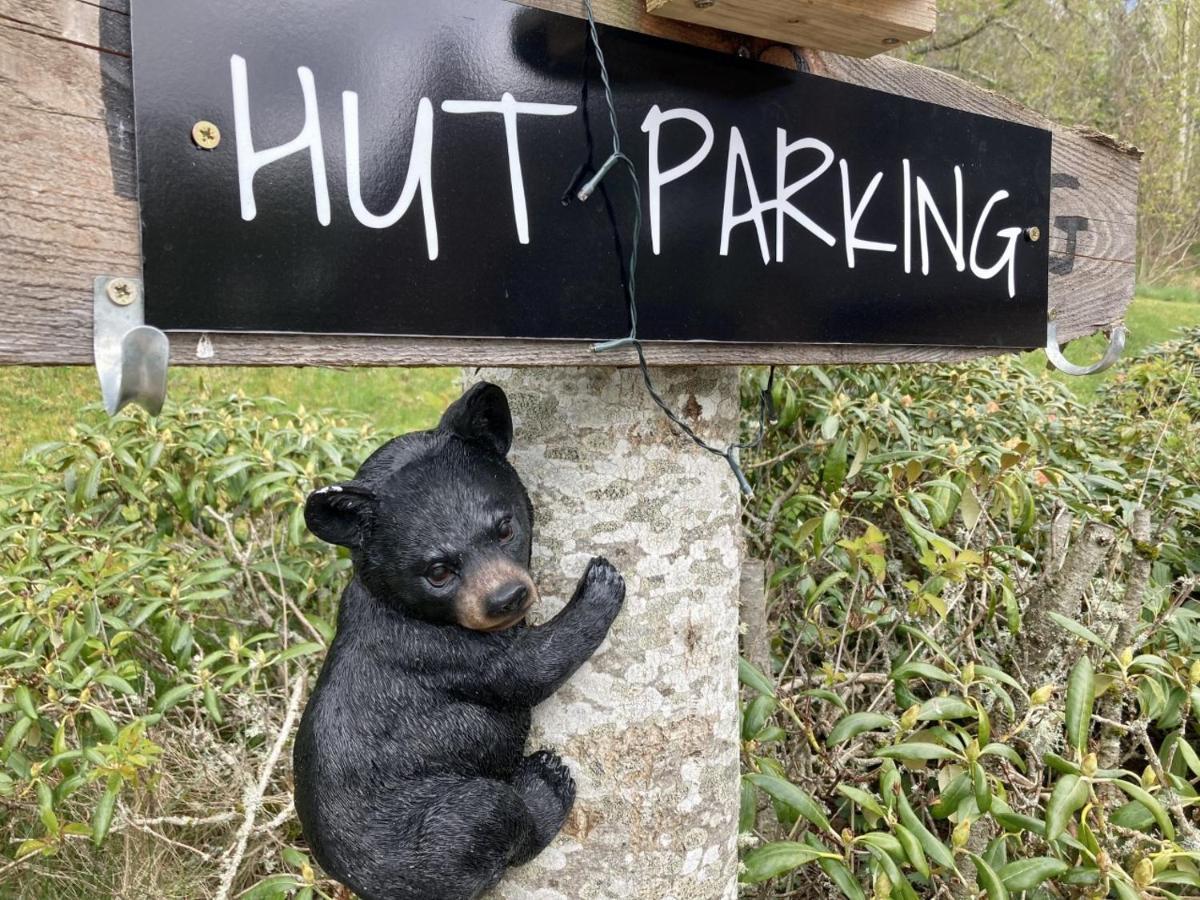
(411, 779)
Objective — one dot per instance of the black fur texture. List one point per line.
(411, 778)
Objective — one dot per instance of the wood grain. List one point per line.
(68, 213)
(854, 27)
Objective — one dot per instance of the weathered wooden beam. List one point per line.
(854, 27)
(68, 208)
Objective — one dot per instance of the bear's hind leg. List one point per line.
(545, 785)
(471, 831)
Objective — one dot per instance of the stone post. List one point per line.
(649, 726)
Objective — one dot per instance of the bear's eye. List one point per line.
(505, 530)
(439, 574)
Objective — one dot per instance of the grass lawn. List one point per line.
(39, 404)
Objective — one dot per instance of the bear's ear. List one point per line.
(340, 513)
(481, 416)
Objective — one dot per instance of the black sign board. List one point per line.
(402, 167)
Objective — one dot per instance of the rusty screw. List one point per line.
(891, 41)
(121, 291)
(1033, 233)
(705, 4)
(206, 135)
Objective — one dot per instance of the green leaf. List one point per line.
(1188, 754)
(983, 791)
(275, 887)
(855, 724)
(901, 889)
(1081, 694)
(748, 808)
(884, 841)
(1081, 875)
(1060, 765)
(1069, 794)
(778, 858)
(969, 508)
(25, 702)
(1004, 751)
(996, 854)
(940, 708)
(104, 723)
(1174, 876)
(991, 882)
(115, 682)
(1125, 891)
(916, 750)
(834, 472)
(211, 706)
(294, 857)
(173, 696)
(1076, 629)
(921, 670)
(1132, 815)
(29, 847)
(1015, 821)
(952, 795)
(1026, 874)
(755, 716)
(102, 817)
(826, 695)
(930, 843)
(842, 877)
(790, 795)
(1147, 800)
(831, 524)
(49, 821)
(912, 849)
(864, 799)
(829, 428)
(754, 679)
(299, 650)
(998, 675)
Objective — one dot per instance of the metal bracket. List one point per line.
(1116, 346)
(131, 356)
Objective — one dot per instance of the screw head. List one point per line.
(206, 135)
(121, 291)
(891, 41)
(705, 4)
(1033, 233)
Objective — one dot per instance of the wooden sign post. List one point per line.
(426, 248)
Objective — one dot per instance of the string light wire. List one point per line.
(766, 412)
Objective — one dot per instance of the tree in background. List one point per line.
(1130, 68)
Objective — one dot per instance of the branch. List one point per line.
(1061, 593)
(253, 797)
(974, 31)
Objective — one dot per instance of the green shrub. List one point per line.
(159, 595)
(902, 743)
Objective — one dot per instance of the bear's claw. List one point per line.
(603, 584)
(553, 772)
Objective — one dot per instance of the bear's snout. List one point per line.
(495, 595)
(507, 599)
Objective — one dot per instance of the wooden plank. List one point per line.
(68, 213)
(854, 27)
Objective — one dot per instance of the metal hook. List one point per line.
(1116, 346)
(131, 357)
